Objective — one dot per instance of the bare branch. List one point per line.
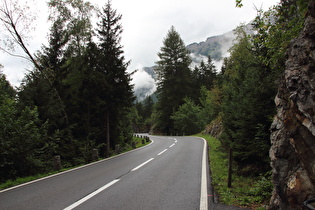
(17, 20)
(15, 55)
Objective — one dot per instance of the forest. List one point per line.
(78, 97)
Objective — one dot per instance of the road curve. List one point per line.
(170, 173)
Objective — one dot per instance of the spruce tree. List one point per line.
(174, 79)
(247, 106)
(116, 91)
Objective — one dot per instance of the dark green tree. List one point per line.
(275, 29)
(147, 107)
(5, 87)
(211, 102)
(204, 75)
(22, 137)
(174, 80)
(116, 91)
(248, 106)
(144, 110)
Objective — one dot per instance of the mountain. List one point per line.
(215, 46)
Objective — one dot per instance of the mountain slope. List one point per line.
(215, 46)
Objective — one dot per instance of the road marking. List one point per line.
(162, 152)
(204, 188)
(175, 140)
(139, 166)
(172, 145)
(79, 202)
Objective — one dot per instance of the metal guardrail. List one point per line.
(310, 204)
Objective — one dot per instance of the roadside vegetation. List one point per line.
(247, 191)
(139, 141)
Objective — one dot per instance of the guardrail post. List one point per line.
(95, 154)
(309, 204)
(57, 162)
(230, 168)
(117, 148)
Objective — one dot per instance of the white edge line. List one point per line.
(80, 167)
(162, 152)
(79, 202)
(139, 166)
(204, 188)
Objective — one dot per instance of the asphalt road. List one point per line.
(170, 173)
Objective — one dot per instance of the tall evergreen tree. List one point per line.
(174, 79)
(117, 91)
(247, 105)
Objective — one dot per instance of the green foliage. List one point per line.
(189, 118)
(203, 76)
(142, 119)
(211, 101)
(22, 138)
(247, 106)
(6, 90)
(275, 29)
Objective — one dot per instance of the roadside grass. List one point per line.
(18, 181)
(249, 192)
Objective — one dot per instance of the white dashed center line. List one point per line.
(139, 166)
(162, 152)
(79, 202)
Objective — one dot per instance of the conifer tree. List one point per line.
(116, 91)
(247, 106)
(174, 79)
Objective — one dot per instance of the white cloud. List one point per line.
(146, 23)
(142, 80)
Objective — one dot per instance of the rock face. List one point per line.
(293, 131)
(214, 129)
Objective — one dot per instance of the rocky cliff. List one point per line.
(293, 130)
(215, 46)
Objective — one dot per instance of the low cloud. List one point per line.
(142, 80)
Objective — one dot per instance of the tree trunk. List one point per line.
(107, 134)
(230, 168)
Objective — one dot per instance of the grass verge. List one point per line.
(249, 192)
(18, 181)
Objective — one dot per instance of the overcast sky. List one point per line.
(146, 23)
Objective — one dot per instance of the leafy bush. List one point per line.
(189, 118)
